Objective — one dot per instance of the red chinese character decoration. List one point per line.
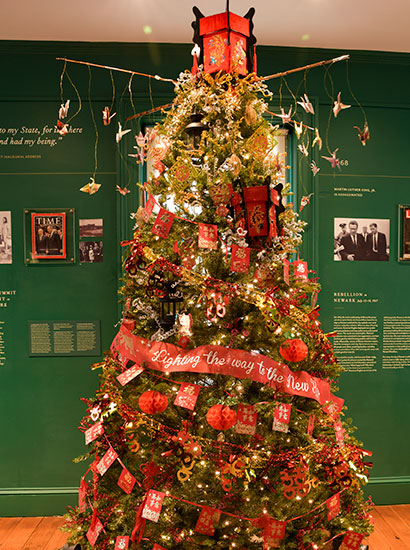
(207, 521)
(256, 210)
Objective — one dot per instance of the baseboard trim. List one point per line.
(388, 480)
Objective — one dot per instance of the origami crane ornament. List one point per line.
(306, 104)
(298, 129)
(61, 128)
(304, 201)
(363, 135)
(63, 111)
(141, 140)
(338, 105)
(315, 168)
(318, 140)
(123, 190)
(91, 187)
(139, 155)
(285, 117)
(106, 116)
(119, 135)
(334, 161)
(303, 149)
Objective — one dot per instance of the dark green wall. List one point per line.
(40, 406)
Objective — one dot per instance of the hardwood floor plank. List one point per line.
(19, 534)
(6, 525)
(58, 538)
(391, 540)
(392, 531)
(42, 534)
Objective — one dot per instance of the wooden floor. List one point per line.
(392, 531)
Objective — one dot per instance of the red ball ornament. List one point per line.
(152, 402)
(294, 350)
(220, 417)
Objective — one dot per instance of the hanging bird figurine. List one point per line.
(306, 104)
(334, 161)
(63, 111)
(317, 140)
(363, 135)
(123, 190)
(119, 135)
(91, 187)
(106, 116)
(338, 105)
(315, 168)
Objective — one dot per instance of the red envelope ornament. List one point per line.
(207, 236)
(163, 223)
(240, 259)
(207, 521)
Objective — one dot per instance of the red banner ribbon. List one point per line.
(219, 360)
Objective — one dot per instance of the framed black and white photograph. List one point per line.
(404, 233)
(361, 239)
(92, 227)
(91, 252)
(5, 237)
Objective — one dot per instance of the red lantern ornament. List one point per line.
(294, 350)
(220, 417)
(152, 402)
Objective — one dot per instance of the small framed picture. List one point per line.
(48, 235)
(404, 233)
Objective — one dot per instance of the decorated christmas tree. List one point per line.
(215, 424)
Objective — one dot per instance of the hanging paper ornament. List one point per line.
(220, 417)
(234, 164)
(363, 135)
(63, 111)
(294, 350)
(220, 193)
(240, 259)
(163, 223)
(207, 236)
(152, 402)
(61, 128)
(182, 174)
(106, 116)
(338, 105)
(256, 210)
(91, 187)
(251, 115)
(207, 521)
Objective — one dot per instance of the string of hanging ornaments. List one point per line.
(216, 423)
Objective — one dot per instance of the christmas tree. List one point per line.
(215, 424)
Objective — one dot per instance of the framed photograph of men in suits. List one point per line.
(404, 233)
(361, 239)
(48, 235)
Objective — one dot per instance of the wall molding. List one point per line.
(14, 491)
(388, 479)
